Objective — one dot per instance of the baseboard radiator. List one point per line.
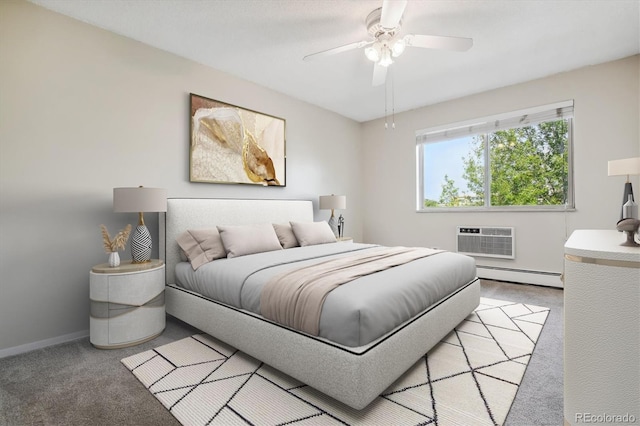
(522, 276)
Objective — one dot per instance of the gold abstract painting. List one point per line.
(230, 144)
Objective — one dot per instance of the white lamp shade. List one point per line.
(626, 166)
(331, 202)
(140, 199)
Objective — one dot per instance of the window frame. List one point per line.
(483, 126)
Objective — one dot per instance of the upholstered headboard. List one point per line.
(199, 213)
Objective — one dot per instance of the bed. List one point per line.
(353, 370)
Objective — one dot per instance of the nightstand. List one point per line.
(127, 303)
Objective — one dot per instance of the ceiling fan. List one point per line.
(383, 24)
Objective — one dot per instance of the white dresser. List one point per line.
(601, 329)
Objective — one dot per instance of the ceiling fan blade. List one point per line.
(379, 75)
(392, 11)
(339, 49)
(459, 44)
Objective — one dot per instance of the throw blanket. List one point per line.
(295, 298)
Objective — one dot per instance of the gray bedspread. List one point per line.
(353, 314)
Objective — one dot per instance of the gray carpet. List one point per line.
(539, 400)
(76, 384)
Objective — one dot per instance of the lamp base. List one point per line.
(333, 224)
(141, 245)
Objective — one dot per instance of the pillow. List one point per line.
(285, 235)
(201, 246)
(183, 256)
(249, 239)
(311, 233)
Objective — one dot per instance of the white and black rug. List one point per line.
(470, 378)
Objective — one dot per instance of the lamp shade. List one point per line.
(626, 166)
(331, 202)
(140, 199)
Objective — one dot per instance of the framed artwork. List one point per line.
(230, 144)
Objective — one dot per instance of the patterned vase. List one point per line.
(114, 259)
(141, 245)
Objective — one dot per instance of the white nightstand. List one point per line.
(127, 303)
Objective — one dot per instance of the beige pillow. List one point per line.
(201, 246)
(249, 239)
(285, 235)
(311, 233)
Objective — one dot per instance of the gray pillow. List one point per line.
(312, 233)
(248, 239)
(285, 235)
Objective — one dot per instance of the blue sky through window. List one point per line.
(445, 158)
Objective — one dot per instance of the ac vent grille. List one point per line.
(486, 241)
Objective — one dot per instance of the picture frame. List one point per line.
(231, 144)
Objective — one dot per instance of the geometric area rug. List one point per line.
(470, 378)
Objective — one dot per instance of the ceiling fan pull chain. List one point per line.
(393, 101)
(385, 107)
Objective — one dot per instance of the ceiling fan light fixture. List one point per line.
(398, 47)
(385, 58)
(373, 53)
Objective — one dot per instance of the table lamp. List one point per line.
(140, 200)
(626, 166)
(333, 202)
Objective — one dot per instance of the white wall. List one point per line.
(607, 109)
(83, 111)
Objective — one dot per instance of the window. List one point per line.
(520, 160)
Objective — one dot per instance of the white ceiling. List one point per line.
(264, 41)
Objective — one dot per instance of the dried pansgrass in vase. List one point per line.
(118, 242)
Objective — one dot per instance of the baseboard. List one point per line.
(28, 347)
(548, 279)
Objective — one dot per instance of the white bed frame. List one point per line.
(354, 376)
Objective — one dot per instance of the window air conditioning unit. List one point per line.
(486, 241)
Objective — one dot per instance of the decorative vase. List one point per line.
(141, 245)
(630, 209)
(114, 259)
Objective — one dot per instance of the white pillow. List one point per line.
(249, 239)
(285, 235)
(201, 246)
(311, 233)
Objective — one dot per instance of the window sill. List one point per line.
(524, 209)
